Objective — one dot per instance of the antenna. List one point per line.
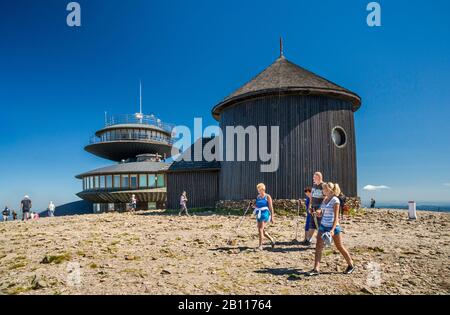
(140, 97)
(139, 115)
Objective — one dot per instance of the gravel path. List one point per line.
(153, 253)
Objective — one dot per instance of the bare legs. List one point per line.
(262, 233)
(338, 242)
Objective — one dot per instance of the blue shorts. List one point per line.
(265, 216)
(323, 229)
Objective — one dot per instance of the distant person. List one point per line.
(6, 213)
(308, 230)
(329, 228)
(372, 203)
(51, 209)
(343, 208)
(183, 203)
(25, 206)
(133, 203)
(264, 214)
(14, 215)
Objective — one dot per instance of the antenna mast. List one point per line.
(140, 97)
(139, 115)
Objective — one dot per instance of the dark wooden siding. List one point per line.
(202, 188)
(305, 125)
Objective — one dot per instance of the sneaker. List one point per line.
(313, 273)
(349, 270)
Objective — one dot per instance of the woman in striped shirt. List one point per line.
(330, 224)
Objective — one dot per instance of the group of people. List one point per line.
(27, 214)
(323, 206)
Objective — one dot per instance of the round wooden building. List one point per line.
(316, 132)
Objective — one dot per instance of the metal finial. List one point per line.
(281, 47)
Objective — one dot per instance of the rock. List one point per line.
(37, 283)
(130, 257)
(367, 291)
(165, 272)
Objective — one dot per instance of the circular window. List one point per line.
(339, 137)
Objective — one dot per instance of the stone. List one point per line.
(367, 291)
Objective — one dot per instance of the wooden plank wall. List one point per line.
(202, 188)
(306, 146)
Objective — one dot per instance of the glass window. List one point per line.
(108, 181)
(91, 182)
(102, 182)
(116, 181)
(160, 180)
(152, 181)
(339, 137)
(133, 181)
(125, 182)
(143, 181)
(96, 182)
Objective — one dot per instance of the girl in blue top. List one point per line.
(330, 224)
(263, 210)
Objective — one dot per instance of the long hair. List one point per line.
(334, 187)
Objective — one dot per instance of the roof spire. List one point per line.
(281, 47)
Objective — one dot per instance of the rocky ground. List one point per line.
(156, 253)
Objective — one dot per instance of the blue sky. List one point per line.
(56, 81)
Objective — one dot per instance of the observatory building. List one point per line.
(139, 144)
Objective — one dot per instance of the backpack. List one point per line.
(342, 199)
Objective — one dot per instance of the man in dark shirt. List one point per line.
(372, 203)
(25, 205)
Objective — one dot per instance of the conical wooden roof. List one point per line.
(284, 76)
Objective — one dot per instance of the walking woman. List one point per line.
(264, 214)
(183, 201)
(329, 228)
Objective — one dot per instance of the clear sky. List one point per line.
(56, 82)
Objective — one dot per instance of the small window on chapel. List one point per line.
(339, 137)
